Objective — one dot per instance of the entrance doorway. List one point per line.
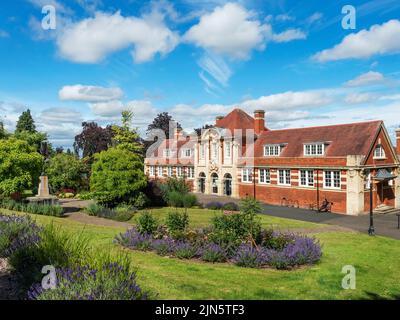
(214, 183)
(202, 182)
(227, 185)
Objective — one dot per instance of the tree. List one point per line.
(65, 171)
(3, 132)
(117, 176)
(93, 139)
(25, 123)
(20, 166)
(162, 121)
(33, 138)
(125, 137)
(205, 127)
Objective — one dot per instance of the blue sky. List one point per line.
(197, 60)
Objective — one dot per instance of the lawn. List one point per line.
(376, 260)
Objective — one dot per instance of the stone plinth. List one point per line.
(44, 196)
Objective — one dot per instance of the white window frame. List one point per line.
(247, 175)
(381, 154)
(167, 153)
(179, 172)
(202, 151)
(152, 171)
(160, 169)
(264, 176)
(190, 173)
(306, 178)
(331, 176)
(214, 153)
(186, 153)
(314, 149)
(170, 171)
(228, 149)
(272, 150)
(285, 174)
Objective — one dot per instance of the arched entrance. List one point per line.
(214, 183)
(202, 182)
(227, 185)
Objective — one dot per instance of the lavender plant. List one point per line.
(213, 252)
(250, 257)
(112, 281)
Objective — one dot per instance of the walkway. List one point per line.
(385, 225)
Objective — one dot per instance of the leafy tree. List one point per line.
(126, 138)
(20, 166)
(3, 132)
(117, 176)
(33, 138)
(161, 121)
(25, 123)
(65, 171)
(93, 139)
(198, 130)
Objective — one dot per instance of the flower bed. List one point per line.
(279, 250)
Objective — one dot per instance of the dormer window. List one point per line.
(379, 152)
(167, 153)
(186, 153)
(314, 149)
(272, 150)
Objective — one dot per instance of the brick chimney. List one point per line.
(217, 120)
(177, 133)
(259, 121)
(398, 141)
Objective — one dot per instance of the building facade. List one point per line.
(239, 156)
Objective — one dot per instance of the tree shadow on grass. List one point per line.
(376, 296)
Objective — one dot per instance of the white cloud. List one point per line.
(289, 35)
(230, 30)
(60, 8)
(284, 17)
(60, 115)
(216, 67)
(89, 93)
(314, 17)
(367, 78)
(142, 109)
(92, 39)
(356, 98)
(378, 40)
(288, 100)
(4, 34)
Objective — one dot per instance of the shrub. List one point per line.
(141, 201)
(185, 250)
(17, 233)
(189, 200)
(84, 196)
(177, 222)
(214, 205)
(276, 240)
(301, 251)
(230, 206)
(94, 209)
(135, 240)
(34, 208)
(173, 185)
(175, 199)
(234, 228)
(250, 257)
(112, 281)
(146, 223)
(163, 246)
(213, 253)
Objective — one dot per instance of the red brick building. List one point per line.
(301, 167)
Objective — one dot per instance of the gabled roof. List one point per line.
(341, 140)
(236, 119)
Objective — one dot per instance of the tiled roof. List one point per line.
(236, 119)
(341, 140)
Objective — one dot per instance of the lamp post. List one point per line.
(371, 229)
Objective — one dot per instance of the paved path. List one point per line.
(385, 225)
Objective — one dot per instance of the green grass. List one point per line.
(376, 260)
